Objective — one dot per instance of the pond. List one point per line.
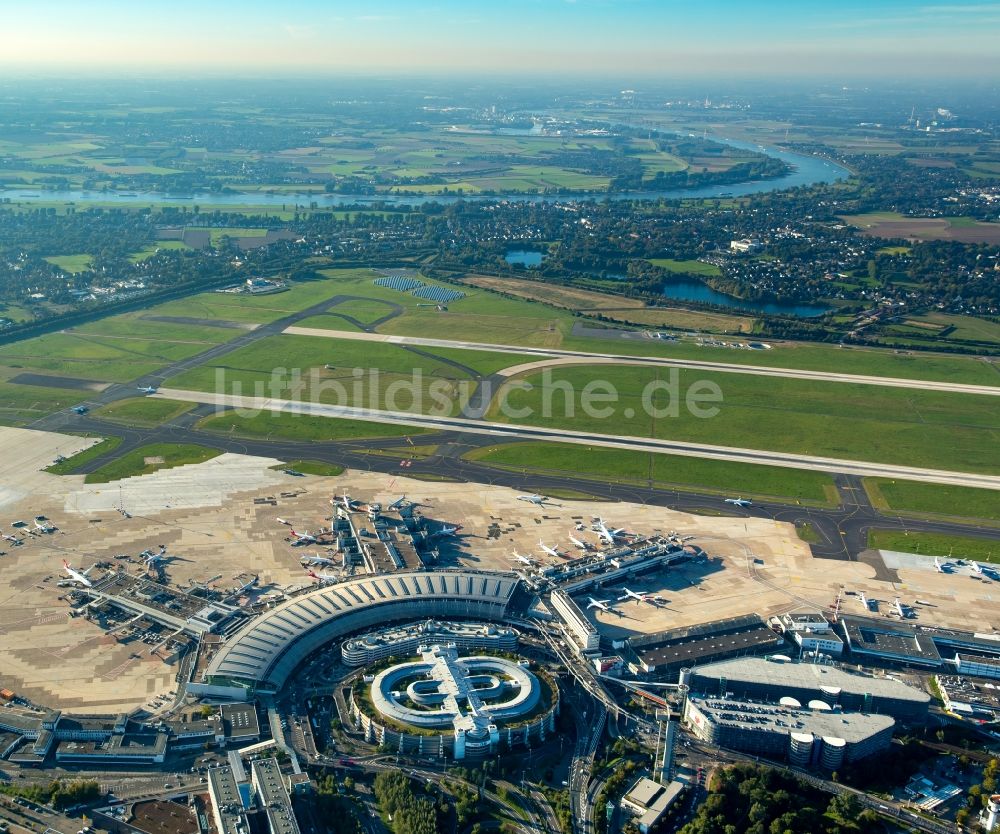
(697, 291)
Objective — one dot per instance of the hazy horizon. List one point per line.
(645, 38)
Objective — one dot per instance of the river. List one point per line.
(806, 170)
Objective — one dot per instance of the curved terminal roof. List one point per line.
(266, 650)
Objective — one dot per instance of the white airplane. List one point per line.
(537, 500)
(899, 608)
(601, 604)
(78, 576)
(13, 539)
(151, 558)
(245, 587)
(347, 502)
(304, 538)
(444, 531)
(282, 521)
(399, 503)
(605, 533)
(323, 578)
(580, 543)
(42, 527)
(524, 560)
(650, 598)
(551, 551)
(146, 389)
(318, 561)
(938, 566)
(739, 502)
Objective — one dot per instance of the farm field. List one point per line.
(914, 498)
(894, 225)
(614, 307)
(839, 420)
(666, 471)
(690, 267)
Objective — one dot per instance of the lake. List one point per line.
(697, 291)
(524, 257)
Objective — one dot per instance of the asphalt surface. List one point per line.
(843, 531)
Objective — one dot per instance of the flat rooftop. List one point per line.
(761, 671)
(688, 645)
(878, 637)
(852, 727)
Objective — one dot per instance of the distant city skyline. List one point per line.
(849, 39)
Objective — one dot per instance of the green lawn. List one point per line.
(143, 411)
(690, 267)
(302, 427)
(134, 463)
(350, 373)
(20, 404)
(933, 499)
(859, 422)
(71, 464)
(936, 544)
(154, 248)
(312, 467)
(71, 263)
(668, 471)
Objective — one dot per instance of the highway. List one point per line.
(533, 433)
(589, 357)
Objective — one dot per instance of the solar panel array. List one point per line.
(398, 281)
(440, 294)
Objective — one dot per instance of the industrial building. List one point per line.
(649, 801)
(406, 639)
(665, 654)
(228, 810)
(815, 736)
(888, 641)
(811, 632)
(769, 679)
(272, 797)
(582, 632)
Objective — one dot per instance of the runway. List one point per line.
(654, 361)
(532, 433)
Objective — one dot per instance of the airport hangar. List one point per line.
(260, 656)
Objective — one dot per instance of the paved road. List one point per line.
(813, 463)
(657, 361)
(843, 530)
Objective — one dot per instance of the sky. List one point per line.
(669, 38)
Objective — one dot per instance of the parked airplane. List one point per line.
(146, 389)
(444, 531)
(403, 501)
(551, 551)
(346, 502)
(524, 560)
(245, 587)
(580, 543)
(42, 527)
(650, 598)
(977, 568)
(318, 561)
(78, 576)
(606, 534)
(537, 500)
(304, 538)
(13, 539)
(151, 558)
(938, 566)
(286, 523)
(739, 502)
(323, 578)
(602, 605)
(899, 608)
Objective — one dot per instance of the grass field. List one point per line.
(143, 411)
(966, 327)
(891, 425)
(888, 224)
(134, 463)
(667, 471)
(936, 544)
(690, 267)
(148, 252)
(915, 498)
(71, 263)
(350, 373)
(71, 464)
(302, 427)
(312, 467)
